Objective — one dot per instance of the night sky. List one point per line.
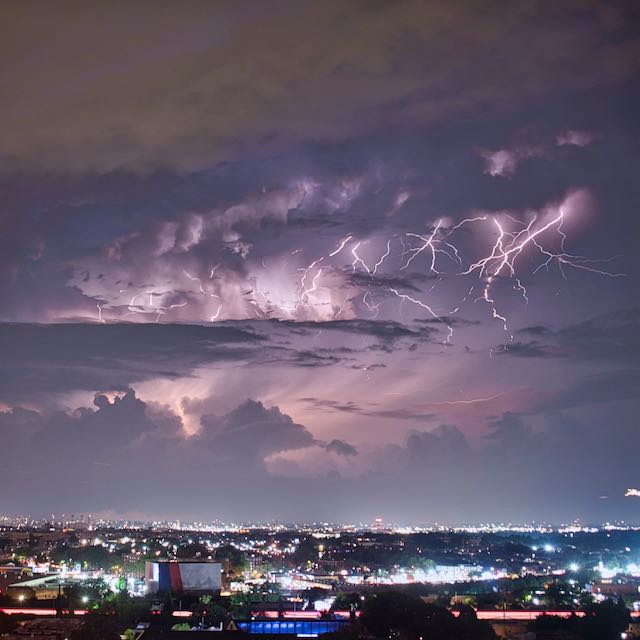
(317, 260)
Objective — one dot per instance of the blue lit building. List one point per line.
(299, 628)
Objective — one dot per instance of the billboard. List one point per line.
(183, 576)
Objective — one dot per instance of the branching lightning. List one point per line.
(384, 256)
(340, 247)
(441, 252)
(429, 244)
(509, 246)
(202, 289)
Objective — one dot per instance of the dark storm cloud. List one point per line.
(41, 359)
(252, 431)
(126, 442)
(440, 447)
(112, 240)
(332, 405)
(405, 413)
(17, 426)
(517, 465)
(226, 81)
(410, 282)
(129, 440)
(609, 388)
(341, 448)
(313, 359)
(532, 349)
(537, 330)
(385, 332)
(46, 359)
(510, 430)
(612, 337)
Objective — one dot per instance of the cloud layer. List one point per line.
(202, 84)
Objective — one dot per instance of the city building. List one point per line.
(182, 576)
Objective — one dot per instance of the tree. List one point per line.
(488, 600)
(400, 615)
(192, 550)
(7, 623)
(124, 608)
(469, 627)
(346, 601)
(306, 552)
(90, 557)
(234, 558)
(606, 621)
(96, 627)
(392, 611)
(241, 604)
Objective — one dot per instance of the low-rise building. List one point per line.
(182, 576)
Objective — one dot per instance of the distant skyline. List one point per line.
(306, 261)
(105, 520)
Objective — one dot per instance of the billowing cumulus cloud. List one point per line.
(261, 452)
(314, 462)
(575, 138)
(214, 265)
(504, 162)
(341, 448)
(252, 431)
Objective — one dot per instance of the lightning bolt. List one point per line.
(340, 247)
(202, 289)
(428, 244)
(357, 259)
(542, 237)
(467, 221)
(404, 296)
(374, 308)
(472, 400)
(314, 283)
(304, 291)
(423, 305)
(382, 258)
(463, 300)
(163, 310)
(509, 246)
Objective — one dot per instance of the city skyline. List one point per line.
(300, 261)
